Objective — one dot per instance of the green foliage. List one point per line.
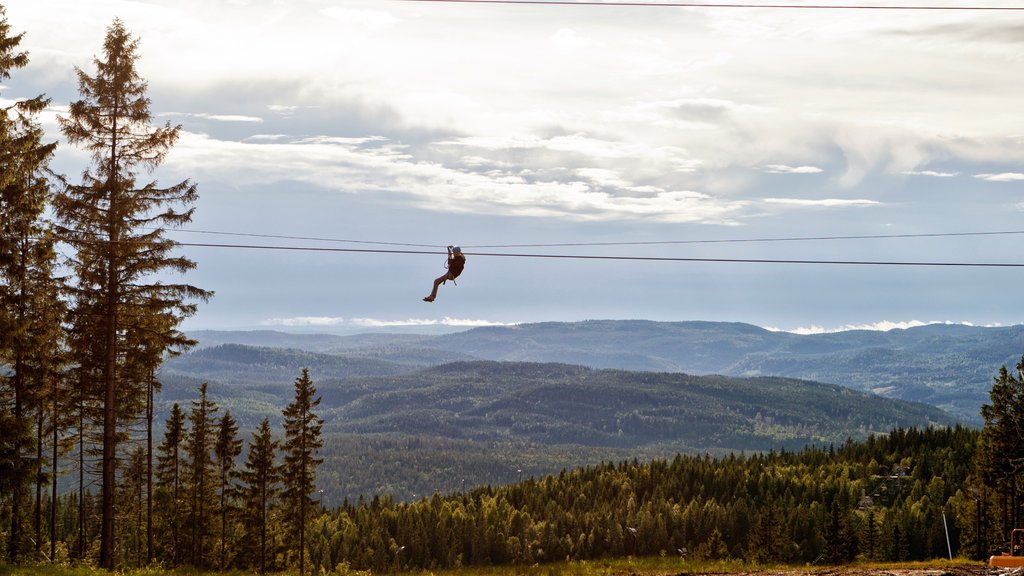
(302, 442)
(29, 305)
(696, 503)
(439, 428)
(226, 451)
(259, 490)
(170, 499)
(993, 503)
(202, 476)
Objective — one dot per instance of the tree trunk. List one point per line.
(81, 475)
(18, 497)
(53, 477)
(149, 470)
(39, 482)
(109, 416)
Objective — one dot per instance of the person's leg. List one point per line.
(437, 283)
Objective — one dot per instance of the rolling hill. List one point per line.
(406, 418)
(945, 365)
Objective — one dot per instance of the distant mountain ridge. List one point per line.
(557, 404)
(946, 365)
(416, 414)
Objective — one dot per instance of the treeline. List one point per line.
(201, 506)
(881, 499)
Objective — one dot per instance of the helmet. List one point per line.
(456, 249)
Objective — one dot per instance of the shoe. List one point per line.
(428, 298)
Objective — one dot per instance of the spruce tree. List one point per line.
(226, 450)
(26, 287)
(202, 473)
(302, 442)
(117, 227)
(169, 498)
(999, 459)
(260, 486)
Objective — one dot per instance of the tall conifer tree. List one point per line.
(118, 226)
(226, 450)
(999, 458)
(169, 493)
(26, 286)
(302, 441)
(202, 473)
(260, 487)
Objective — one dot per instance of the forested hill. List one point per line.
(562, 404)
(416, 430)
(949, 366)
(544, 403)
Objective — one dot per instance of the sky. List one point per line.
(635, 132)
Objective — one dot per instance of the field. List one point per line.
(612, 567)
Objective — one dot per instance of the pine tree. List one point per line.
(226, 450)
(201, 473)
(302, 441)
(131, 508)
(118, 230)
(260, 479)
(768, 539)
(999, 459)
(169, 494)
(26, 287)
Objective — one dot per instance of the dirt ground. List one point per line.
(952, 570)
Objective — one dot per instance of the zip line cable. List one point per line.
(633, 258)
(312, 238)
(751, 240)
(734, 5)
(627, 243)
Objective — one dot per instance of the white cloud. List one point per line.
(304, 321)
(783, 169)
(378, 165)
(324, 321)
(372, 20)
(215, 117)
(567, 38)
(446, 321)
(823, 202)
(930, 173)
(1002, 177)
(882, 326)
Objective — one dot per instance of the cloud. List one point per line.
(325, 321)
(882, 326)
(215, 117)
(371, 20)
(823, 202)
(446, 321)
(1002, 177)
(304, 321)
(930, 173)
(783, 169)
(380, 165)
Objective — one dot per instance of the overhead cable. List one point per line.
(730, 5)
(632, 258)
(617, 243)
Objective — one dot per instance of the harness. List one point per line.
(458, 270)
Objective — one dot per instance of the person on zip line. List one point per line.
(456, 262)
